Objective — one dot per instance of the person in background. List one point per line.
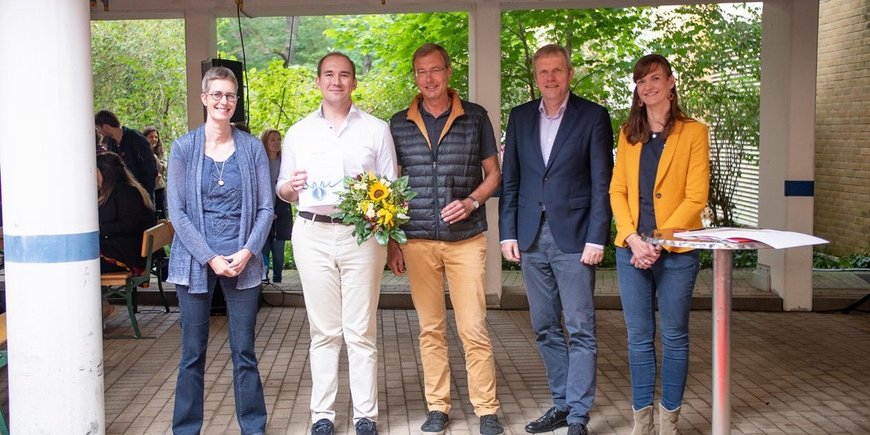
(131, 146)
(661, 180)
(220, 201)
(153, 136)
(100, 143)
(282, 226)
(125, 212)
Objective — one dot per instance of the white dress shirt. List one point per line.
(363, 143)
(549, 126)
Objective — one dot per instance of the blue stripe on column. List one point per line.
(799, 188)
(54, 248)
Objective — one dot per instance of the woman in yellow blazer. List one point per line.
(661, 180)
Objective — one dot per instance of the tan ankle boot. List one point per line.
(643, 421)
(668, 421)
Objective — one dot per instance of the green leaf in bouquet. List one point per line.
(382, 237)
(399, 236)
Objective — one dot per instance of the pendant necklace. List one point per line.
(221, 174)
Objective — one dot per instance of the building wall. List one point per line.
(842, 197)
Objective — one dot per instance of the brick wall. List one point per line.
(842, 201)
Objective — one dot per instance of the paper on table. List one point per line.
(774, 238)
(325, 175)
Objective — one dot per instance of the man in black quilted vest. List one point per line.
(447, 148)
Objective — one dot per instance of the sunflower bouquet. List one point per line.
(375, 206)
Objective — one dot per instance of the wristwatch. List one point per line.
(474, 202)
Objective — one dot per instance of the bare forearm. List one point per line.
(287, 193)
(491, 180)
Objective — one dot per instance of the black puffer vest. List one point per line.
(451, 171)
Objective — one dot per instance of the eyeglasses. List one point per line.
(218, 95)
(423, 72)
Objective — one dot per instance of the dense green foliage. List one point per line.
(139, 73)
(603, 44)
(823, 260)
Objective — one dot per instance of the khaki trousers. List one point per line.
(464, 263)
(341, 283)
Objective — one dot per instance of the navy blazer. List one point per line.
(573, 185)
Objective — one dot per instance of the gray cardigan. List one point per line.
(190, 251)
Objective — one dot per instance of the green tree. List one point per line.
(385, 44)
(603, 44)
(280, 96)
(139, 73)
(294, 40)
(380, 45)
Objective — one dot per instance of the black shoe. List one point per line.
(323, 427)
(489, 425)
(550, 421)
(436, 422)
(366, 427)
(577, 429)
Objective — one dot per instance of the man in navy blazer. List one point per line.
(554, 217)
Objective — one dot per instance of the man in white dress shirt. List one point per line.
(340, 279)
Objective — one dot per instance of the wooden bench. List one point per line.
(125, 284)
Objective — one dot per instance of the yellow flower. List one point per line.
(385, 218)
(378, 191)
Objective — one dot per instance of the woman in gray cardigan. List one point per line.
(220, 202)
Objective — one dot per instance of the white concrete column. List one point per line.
(484, 88)
(51, 237)
(787, 150)
(200, 43)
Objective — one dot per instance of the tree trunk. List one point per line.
(293, 25)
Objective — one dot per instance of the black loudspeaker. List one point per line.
(236, 68)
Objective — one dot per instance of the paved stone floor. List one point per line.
(791, 373)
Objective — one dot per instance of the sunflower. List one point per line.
(376, 206)
(378, 191)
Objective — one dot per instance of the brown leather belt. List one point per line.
(320, 218)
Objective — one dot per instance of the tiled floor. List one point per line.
(791, 373)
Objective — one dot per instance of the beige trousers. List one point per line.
(464, 263)
(341, 283)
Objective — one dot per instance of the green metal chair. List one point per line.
(125, 284)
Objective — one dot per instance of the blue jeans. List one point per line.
(669, 282)
(274, 250)
(247, 387)
(560, 290)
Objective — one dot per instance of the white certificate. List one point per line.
(325, 175)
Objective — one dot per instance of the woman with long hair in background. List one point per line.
(282, 226)
(153, 135)
(125, 212)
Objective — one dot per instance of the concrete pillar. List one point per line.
(484, 88)
(200, 43)
(787, 150)
(51, 237)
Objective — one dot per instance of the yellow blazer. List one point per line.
(681, 187)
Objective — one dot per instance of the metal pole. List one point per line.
(51, 237)
(721, 342)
